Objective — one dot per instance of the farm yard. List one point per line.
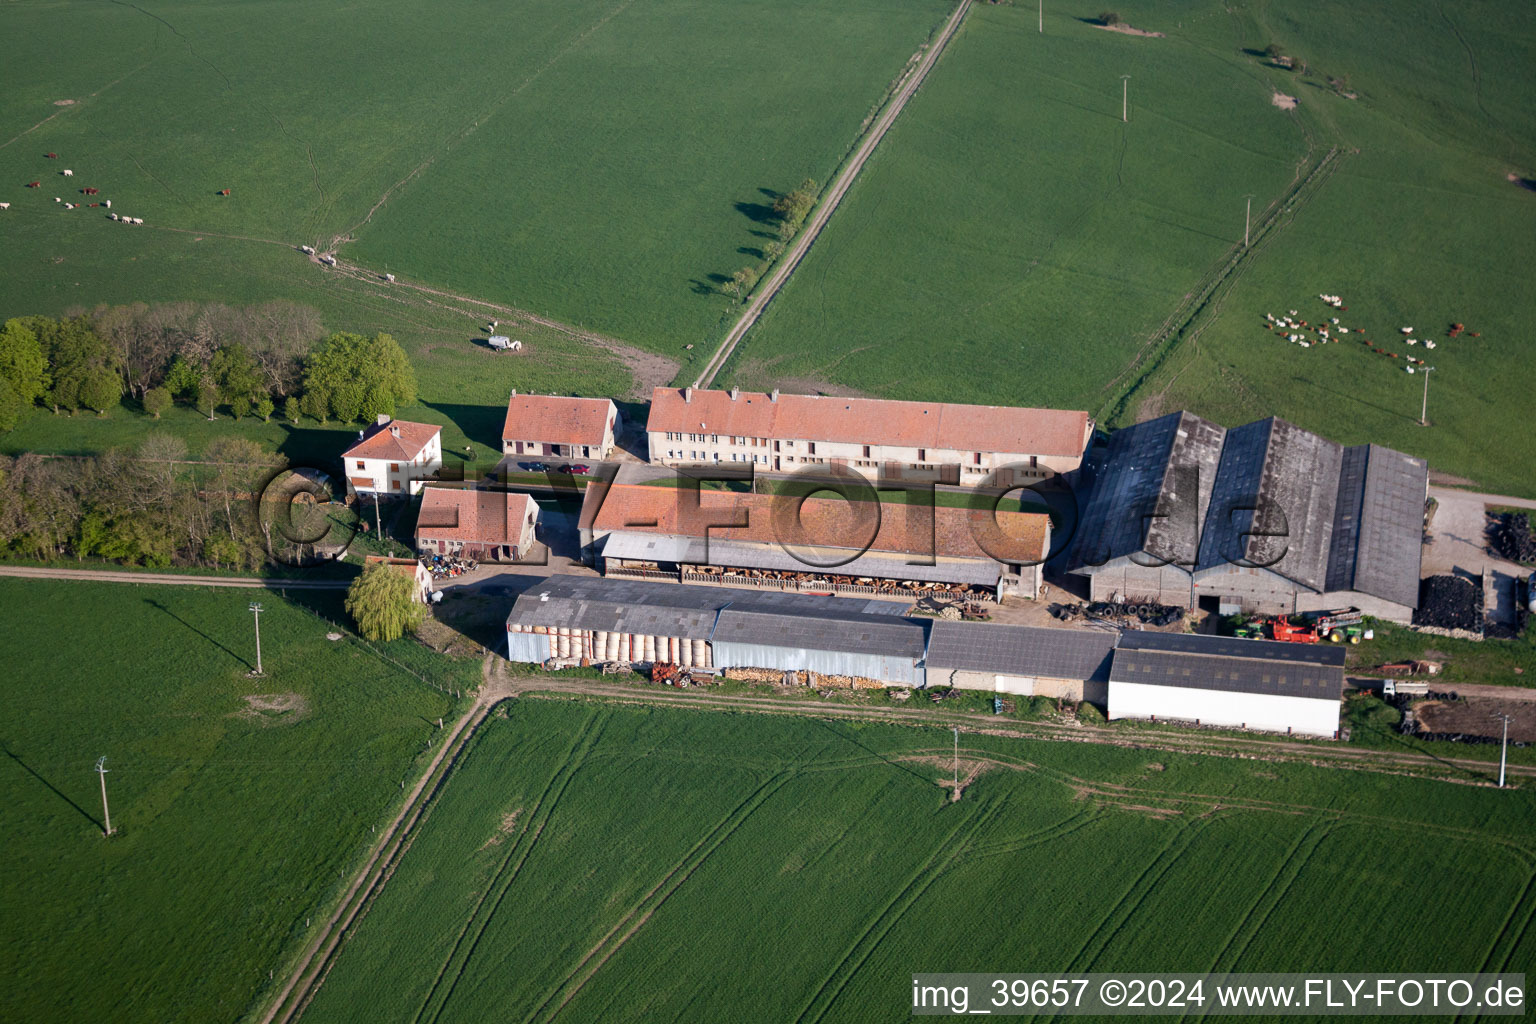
(237, 803)
(590, 861)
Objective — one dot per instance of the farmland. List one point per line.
(603, 862)
(593, 162)
(1014, 242)
(237, 803)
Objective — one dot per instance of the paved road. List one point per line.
(174, 579)
(840, 185)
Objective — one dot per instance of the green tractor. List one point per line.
(1340, 626)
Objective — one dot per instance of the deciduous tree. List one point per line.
(382, 603)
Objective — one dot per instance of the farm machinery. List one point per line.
(1335, 627)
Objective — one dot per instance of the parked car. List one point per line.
(533, 467)
(579, 469)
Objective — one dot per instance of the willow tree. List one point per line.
(382, 601)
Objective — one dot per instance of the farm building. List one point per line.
(489, 526)
(653, 531)
(1026, 660)
(566, 428)
(632, 620)
(1243, 684)
(393, 457)
(1265, 518)
(421, 579)
(786, 433)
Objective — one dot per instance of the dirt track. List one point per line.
(172, 579)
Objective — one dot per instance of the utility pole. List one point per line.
(1503, 747)
(256, 611)
(1247, 218)
(1424, 409)
(1125, 98)
(378, 531)
(101, 769)
(1042, 17)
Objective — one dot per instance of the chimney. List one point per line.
(734, 393)
(514, 392)
(774, 397)
(383, 419)
(688, 394)
(394, 429)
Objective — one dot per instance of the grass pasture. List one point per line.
(1014, 242)
(234, 818)
(595, 862)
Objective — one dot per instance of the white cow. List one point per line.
(68, 173)
(138, 220)
(5, 206)
(108, 204)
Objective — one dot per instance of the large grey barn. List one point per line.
(1265, 518)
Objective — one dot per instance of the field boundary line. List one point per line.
(841, 183)
(691, 861)
(581, 746)
(309, 971)
(169, 579)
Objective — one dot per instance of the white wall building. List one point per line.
(785, 433)
(1238, 684)
(393, 457)
(560, 427)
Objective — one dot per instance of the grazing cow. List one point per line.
(5, 206)
(112, 215)
(67, 173)
(51, 156)
(138, 220)
(34, 184)
(223, 191)
(108, 204)
(90, 191)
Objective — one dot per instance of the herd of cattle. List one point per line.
(88, 191)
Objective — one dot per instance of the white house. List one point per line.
(393, 457)
(1237, 684)
(785, 433)
(567, 428)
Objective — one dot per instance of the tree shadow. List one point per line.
(6, 747)
(759, 213)
(157, 605)
(1529, 184)
(757, 254)
(480, 423)
(319, 447)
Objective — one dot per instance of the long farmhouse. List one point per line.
(898, 440)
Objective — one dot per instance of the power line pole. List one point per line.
(1424, 409)
(1247, 218)
(256, 611)
(1503, 747)
(1042, 17)
(378, 530)
(1125, 98)
(101, 769)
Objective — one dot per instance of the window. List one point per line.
(811, 447)
(394, 485)
(394, 467)
(975, 458)
(359, 463)
(714, 438)
(922, 455)
(866, 451)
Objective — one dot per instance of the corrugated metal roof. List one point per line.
(1151, 492)
(1236, 675)
(716, 551)
(1231, 647)
(1020, 650)
(1273, 504)
(868, 634)
(1378, 524)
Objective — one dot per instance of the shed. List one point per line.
(1027, 660)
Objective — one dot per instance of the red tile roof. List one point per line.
(404, 566)
(874, 421)
(474, 517)
(823, 522)
(380, 441)
(555, 420)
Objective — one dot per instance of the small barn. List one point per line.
(421, 579)
(555, 426)
(1026, 660)
(1240, 684)
(486, 525)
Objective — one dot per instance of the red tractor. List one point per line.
(1281, 629)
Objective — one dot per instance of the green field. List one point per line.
(1014, 242)
(592, 161)
(591, 862)
(233, 824)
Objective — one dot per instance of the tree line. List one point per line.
(789, 211)
(247, 360)
(148, 506)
